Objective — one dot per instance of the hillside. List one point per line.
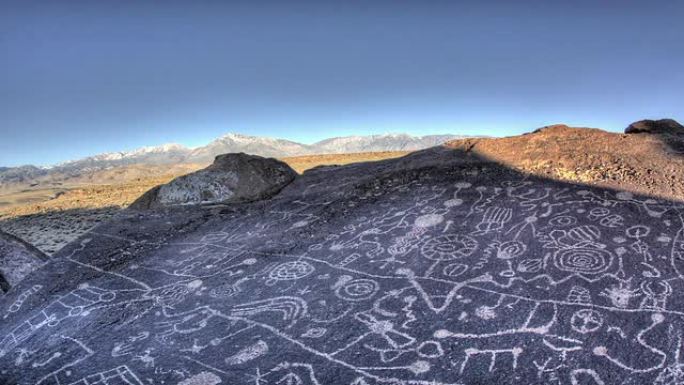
(648, 163)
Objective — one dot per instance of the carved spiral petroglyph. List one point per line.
(583, 261)
(355, 289)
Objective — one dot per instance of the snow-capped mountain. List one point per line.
(374, 143)
(262, 146)
(174, 154)
(164, 154)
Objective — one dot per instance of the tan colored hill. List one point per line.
(648, 163)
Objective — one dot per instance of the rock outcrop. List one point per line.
(441, 267)
(647, 164)
(661, 126)
(17, 260)
(231, 178)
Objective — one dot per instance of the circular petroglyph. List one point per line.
(454, 269)
(598, 212)
(562, 221)
(510, 250)
(356, 289)
(638, 231)
(430, 349)
(583, 261)
(448, 247)
(586, 321)
(289, 271)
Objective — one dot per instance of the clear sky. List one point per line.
(79, 78)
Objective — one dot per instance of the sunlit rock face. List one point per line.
(17, 260)
(435, 268)
(231, 178)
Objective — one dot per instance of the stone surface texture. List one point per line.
(436, 268)
(17, 260)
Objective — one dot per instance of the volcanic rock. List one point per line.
(441, 267)
(231, 178)
(662, 126)
(17, 260)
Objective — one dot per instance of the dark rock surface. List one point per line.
(231, 178)
(661, 126)
(435, 268)
(17, 260)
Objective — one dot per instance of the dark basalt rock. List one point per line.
(231, 178)
(17, 260)
(662, 126)
(436, 268)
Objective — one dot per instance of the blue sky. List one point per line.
(84, 77)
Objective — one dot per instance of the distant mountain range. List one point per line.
(173, 154)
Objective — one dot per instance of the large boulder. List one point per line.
(17, 260)
(662, 126)
(231, 178)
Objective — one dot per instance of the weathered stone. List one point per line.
(17, 260)
(440, 267)
(662, 126)
(231, 178)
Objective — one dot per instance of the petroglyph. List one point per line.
(427, 275)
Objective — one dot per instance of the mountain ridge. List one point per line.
(174, 153)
